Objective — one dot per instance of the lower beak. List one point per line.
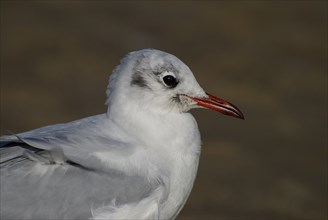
(219, 105)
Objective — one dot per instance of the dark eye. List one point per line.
(170, 81)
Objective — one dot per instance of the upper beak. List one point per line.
(219, 105)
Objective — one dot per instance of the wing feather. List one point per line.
(50, 173)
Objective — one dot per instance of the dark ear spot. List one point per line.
(138, 80)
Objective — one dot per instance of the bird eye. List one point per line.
(170, 81)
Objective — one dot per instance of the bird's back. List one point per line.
(33, 185)
(38, 191)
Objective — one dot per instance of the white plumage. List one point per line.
(137, 161)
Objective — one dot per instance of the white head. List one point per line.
(156, 81)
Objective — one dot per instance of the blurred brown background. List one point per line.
(268, 58)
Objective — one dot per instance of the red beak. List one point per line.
(219, 105)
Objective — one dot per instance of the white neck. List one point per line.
(173, 143)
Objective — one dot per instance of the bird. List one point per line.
(138, 160)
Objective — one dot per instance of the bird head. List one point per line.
(157, 81)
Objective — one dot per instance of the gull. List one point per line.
(136, 161)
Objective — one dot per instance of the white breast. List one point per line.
(181, 159)
(170, 150)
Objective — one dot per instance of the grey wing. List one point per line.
(65, 192)
(75, 141)
(33, 185)
(31, 189)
